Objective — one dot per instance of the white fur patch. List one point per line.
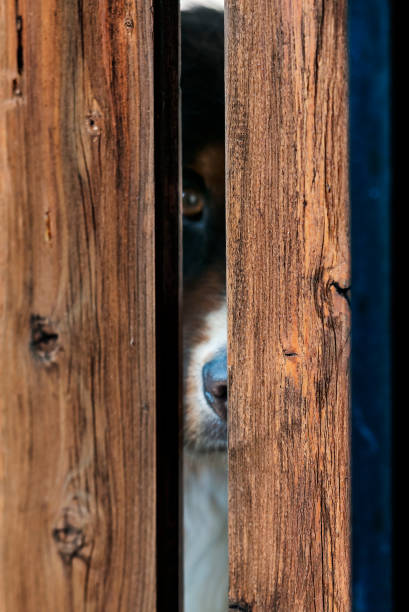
(205, 485)
(205, 533)
(215, 329)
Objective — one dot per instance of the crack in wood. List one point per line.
(20, 54)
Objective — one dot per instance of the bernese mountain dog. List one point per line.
(204, 313)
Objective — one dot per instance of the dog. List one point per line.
(204, 313)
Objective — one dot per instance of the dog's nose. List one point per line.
(215, 383)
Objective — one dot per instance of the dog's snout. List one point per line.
(215, 384)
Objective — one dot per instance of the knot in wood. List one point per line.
(129, 24)
(70, 533)
(70, 540)
(92, 124)
(44, 339)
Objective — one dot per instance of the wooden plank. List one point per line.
(288, 298)
(77, 359)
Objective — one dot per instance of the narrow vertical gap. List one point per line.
(168, 299)
(398, 302)
(204, 307)
(371, 218)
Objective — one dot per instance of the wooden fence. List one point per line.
(288, 282)
(89, 305)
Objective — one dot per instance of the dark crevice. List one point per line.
(20, 55)
(345, 292)
(241, 605)
(16, 90)
(169, 417)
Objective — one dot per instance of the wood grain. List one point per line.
(77, 359)
(288, 299)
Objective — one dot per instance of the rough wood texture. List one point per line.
(77, 359)
(288, 295)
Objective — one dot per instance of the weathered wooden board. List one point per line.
(77, 359)
(288, 298)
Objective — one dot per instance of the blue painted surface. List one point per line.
(370, 175)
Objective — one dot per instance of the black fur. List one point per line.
(202, 79)
(202, 86)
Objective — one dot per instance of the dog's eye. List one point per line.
(193, 204)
